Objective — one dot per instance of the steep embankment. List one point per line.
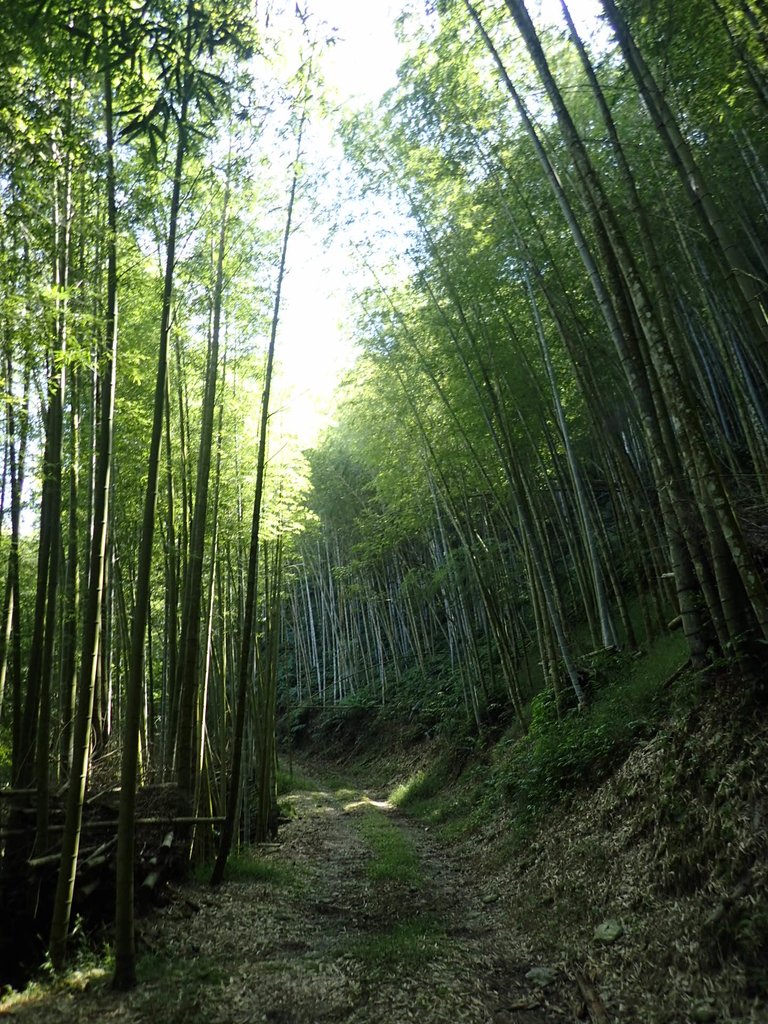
(673, 847)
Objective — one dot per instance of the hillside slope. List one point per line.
(408, 884)
(671, 848)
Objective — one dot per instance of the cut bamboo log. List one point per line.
(96, 825)
(157, 863)
(590, 995)
(98, 852)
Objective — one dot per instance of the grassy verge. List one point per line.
(248, 866)
(435, 796)
(407, 936)
(179, 975)
(405, 946)
(394, 857)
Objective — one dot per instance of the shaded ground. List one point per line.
(361, 914)
(358, 915)
(674, 847)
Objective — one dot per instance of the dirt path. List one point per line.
(358, 915)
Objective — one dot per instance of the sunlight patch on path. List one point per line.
(365, 801)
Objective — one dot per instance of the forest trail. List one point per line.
(357, 915)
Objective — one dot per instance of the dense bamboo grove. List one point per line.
(552, 445)
(144, 241)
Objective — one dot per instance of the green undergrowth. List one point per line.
(394, 856)
(5, 757)
(248, 866)
(178, 974)
(289, 780)
(564, 751)
(567, 751)
(88, 966)
(441, 795)
(405, 946)
(171, 989)
(171, 985)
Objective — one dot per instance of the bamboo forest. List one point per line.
(384, 511)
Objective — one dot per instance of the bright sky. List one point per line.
(314, 344)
